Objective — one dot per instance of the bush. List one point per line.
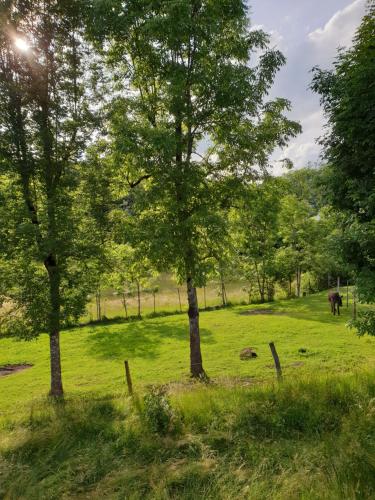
(364, 324)
(158, 412)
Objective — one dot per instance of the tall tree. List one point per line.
(348, 95)
(192, 115)
(298, 230)
(129, 274)
(256, 224)
(44, 124)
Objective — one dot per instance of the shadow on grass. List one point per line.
(62, 444)
(139, 339)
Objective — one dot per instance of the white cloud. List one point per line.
(339, 30)
(304, 147)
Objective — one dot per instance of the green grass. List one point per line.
(242, 436)
(158, 350)
(301, 440)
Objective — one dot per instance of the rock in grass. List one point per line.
(248, 353)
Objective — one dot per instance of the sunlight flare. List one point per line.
(21, 44)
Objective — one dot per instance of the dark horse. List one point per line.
(335, 299)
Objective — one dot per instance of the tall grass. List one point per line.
(311, 439)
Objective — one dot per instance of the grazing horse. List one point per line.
(335, 299)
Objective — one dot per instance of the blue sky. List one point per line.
(308, 33)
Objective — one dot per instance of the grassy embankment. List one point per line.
(313, 436)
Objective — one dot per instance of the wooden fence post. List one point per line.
(277, 361)
(128, 378)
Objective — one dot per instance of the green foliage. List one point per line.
(364, 323)
(45, 123)
(190, 83)
(158, 412)
(255, 228)
(347, 95)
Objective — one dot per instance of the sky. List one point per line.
(308, 32)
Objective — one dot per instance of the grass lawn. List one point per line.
(158, 350)
(242, 437)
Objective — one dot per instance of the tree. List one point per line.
(44, 124)
(256, 224)
(130, 272)
(186, 77)
(347, 96)
(224, 264)
(99, 200)
(298, 230)
(325, 258)
(285, 266)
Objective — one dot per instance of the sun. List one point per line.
(21, 44)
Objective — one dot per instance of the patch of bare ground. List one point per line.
(10, 369)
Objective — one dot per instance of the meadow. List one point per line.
(242, 435)
(158, 350)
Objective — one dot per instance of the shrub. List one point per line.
(158, 412)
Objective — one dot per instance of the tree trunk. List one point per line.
(223, 294)
(54, 327)
(249, 291)
(354, 305)
(196, 366)
(260, 285)
(139, 299)
(55, 361)
(270, 292)
(125, 304)
(98, 305)
(298, 281)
